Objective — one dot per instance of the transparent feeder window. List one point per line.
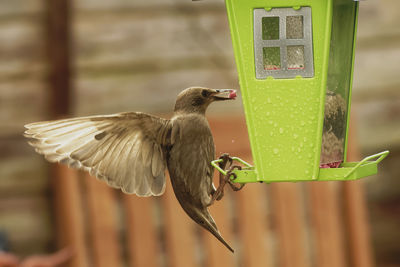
(295, 57)
(294, 27)
(272, 58)
(338, 85)
(283, 43)
(270, 28)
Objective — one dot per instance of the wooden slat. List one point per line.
(103, 228)
(136, 26)
(98, 86)
(58, 51)
(288, 213)
(231, 136)
(21, 176)
(122, 5)
(20, 7)
(30, 94)
(143, 243)
(328, 231)
(253, 226)
(358, 228)
(216, 253)
(69, 215)
(179, 232)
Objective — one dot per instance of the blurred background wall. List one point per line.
(136, 56)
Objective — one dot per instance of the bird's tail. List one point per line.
(210, 225)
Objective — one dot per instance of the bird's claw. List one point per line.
(229, 180)
(217, 195)
(224, 179)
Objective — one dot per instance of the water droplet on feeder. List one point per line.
(295, 136)
(276, 151)
(269, 100)
(281, 130)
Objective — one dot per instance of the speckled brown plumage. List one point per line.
(131, 150)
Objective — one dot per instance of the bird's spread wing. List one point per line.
(124, 149)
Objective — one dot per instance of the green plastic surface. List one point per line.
(285, 116)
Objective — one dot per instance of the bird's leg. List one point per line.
(236, 188)
(219, 192)
(213, 189)
(229, 174)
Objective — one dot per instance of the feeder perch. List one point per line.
(295, 64)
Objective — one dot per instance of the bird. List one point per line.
(131, 150)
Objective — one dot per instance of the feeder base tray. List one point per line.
(347, 171)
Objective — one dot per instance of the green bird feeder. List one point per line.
(295, 63)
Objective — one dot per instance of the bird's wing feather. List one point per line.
(126, 149)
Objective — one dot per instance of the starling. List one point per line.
(131, 150)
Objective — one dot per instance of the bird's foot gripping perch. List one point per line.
(225, 169)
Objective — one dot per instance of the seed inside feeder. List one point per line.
(333, 135)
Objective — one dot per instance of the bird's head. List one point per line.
(197, 99)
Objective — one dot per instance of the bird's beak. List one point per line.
(224, 94)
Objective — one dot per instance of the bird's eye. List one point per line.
(205, 93)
